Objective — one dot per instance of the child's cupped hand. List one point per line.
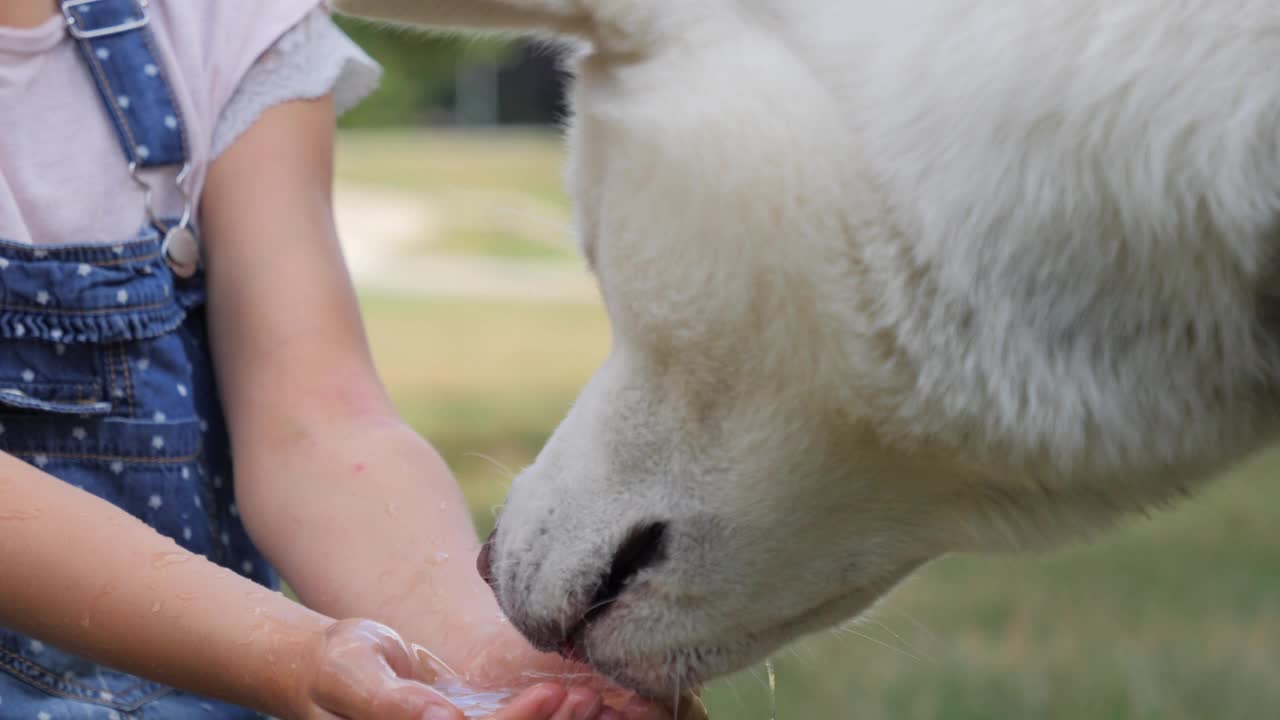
(493, 656)
(358, 669)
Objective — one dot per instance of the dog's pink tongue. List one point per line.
(569, 651)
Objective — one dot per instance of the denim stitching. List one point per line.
(125, 261)
(106, 83)
(128, 381)
(111, 372)
(96, 311)
(107, 458)
(32, 250)
(177, 109)
(89, 691)
(75, 387)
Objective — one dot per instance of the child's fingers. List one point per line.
(372, 692)
(582, 704)
(537, 703)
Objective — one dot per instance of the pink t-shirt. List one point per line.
(63, 175)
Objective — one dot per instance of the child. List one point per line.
(134, 570)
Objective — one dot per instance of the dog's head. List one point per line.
(727, 481)
(716, 490)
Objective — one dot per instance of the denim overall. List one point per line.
(106, 383)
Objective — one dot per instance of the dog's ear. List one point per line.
(568, 17)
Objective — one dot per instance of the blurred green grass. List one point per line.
(1176, 617)
(496, 194)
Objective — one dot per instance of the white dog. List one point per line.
(888, 279)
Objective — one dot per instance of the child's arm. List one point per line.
(354, 509)
(84, 576)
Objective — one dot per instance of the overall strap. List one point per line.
(114, 37)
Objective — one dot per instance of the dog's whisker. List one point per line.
(597, 606)
(929, 634)
(851, 631)
(493, 461)
(868, 619)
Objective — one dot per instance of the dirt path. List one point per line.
(379, 228)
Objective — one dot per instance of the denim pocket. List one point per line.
(39, 681)
(38, 377)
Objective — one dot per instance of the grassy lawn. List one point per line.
(486, 382)
(497, 195)
(1173, 618)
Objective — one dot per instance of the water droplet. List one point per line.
(156, 606)
(102, 594)
(391, 510)
(161, 560)
(31, 514)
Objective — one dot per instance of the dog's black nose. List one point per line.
(644, 547)
(484, 562)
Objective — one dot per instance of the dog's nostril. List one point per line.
(644, 547)
(484, 561)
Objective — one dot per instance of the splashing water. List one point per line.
(472, 703)
(773, 689)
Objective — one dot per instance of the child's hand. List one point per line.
(493, 655)
(358, 669)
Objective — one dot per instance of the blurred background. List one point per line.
(485, 325)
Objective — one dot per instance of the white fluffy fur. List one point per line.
(889, 279)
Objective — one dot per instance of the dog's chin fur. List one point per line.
(889, 279)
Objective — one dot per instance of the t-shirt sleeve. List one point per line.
(310, 60)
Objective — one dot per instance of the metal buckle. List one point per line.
(73, 28)
(179, 181)
(180, 246)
